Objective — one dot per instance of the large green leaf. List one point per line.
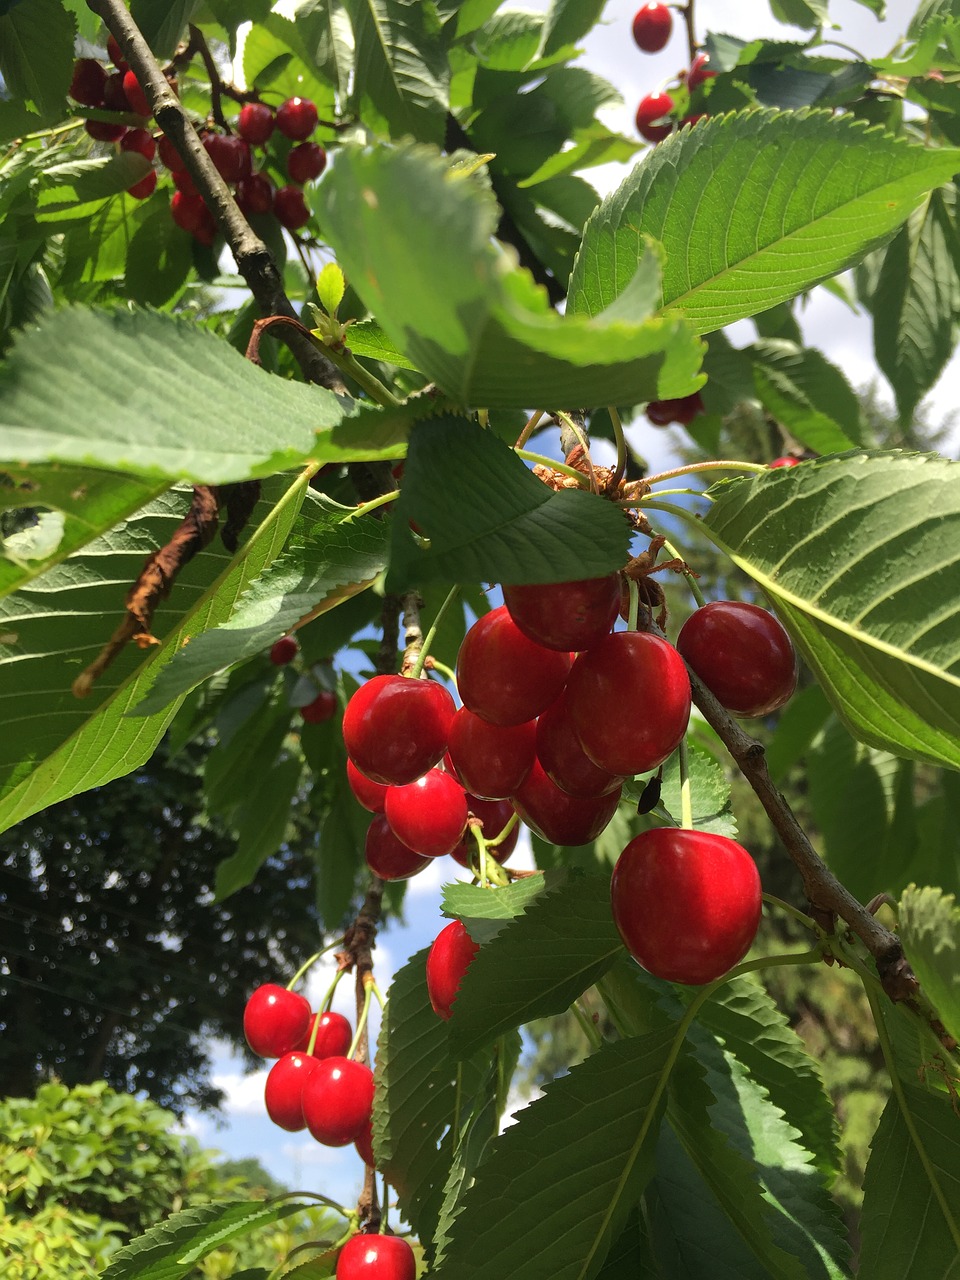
(162, 22)
(858, 555)
(930, 930)
(832, 189)
(568, 21)
(807, 394)
(415, 242)
(487, 911)
(36, 55)
(323, 28)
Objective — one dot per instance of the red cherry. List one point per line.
(364, 1145)
(785, 461)
(560, 818)
(103, 132)
(692, 120)
(187, 211)
(256, 122)
(687, 903)
(371, 1257)
(629, 699)
(169, 155)
(395, 728)
(135, 95)
(140, 141)
(652, 109)
(306, 161)
(372, 795)
(255, 194)
(115, 53)
(206, 232)
(428, 815)
(682, 410)
(698, 73)
(185, 183)
(274, 1020)
(338, 1100)
(114, 96)
(742, 654)
(283, 1091)
(321, 709)
(491, 760)
(334, 1036)
(290, 208)
(563, 758)
(145, 187)
(230, 156)
(297, 118)
(388, 857)
(503, 676)
(565, 615)
(652, 25)
(284, 650)
(494, 816)
(447, 961)
(88, 82)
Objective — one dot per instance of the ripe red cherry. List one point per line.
(184, 182)
(565, 615)
(376, 1258)
(742, 654)
(140, 141)
(284, 650)
(145, 187)
(395, 728)
(338, 1100)
(682, 410)
(563, 758)
(135, 95)
(256, 122)
(321, 709)
(652, 109)
(334, 1036)
(283, 1091)
(503, 676)
(447, 961)
(306, 161)
(785, 461)
(652, 25)
(699, 71)
(491, 760)
(428, 815)
(169, 155)
(114, 97)
(230, 156)
(494, 816)
(388, 857)
(115, 53)
(364, 1146)
(100, 131)
(687, 903)
(88, 81)
(297, 118)
(372, 795)
(255, 194)
(629, 699)
(274, 1020)
(290, 208)
(560, 818)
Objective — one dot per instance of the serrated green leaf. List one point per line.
(324, 30)
(568, 21)
(416, 245)
(368, 339)
(808, 395)
(798, 724)
(36, 55)
(880, 627)
(832, 188)
(710, 791)
(159, 259)
(491, 519)
(930, 931)
(487, 911)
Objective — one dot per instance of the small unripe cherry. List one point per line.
(447, 961)
(88, 82)
(145, 187)
(297, 118)
(306, 162)
(290, 208)
(652, 24)
(256, 122)
(284, 650)
(651, 113)
(140, 141)
(135, 95)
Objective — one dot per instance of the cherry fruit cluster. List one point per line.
(656, 114)
(324, 706)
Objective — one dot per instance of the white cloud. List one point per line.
(244, 1093)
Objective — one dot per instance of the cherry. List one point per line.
(652, 25)
(256, 122)
(372, 795)
(334, 1036)
(185, 183)
(192, 215)
(682, 410)
(115, 53)
(255, 194)
(135, 95)
(297, 118)
(785, 461)
(284, 650)
(274, 1020)
(653, 108)
(742, 654)
(371, 1257)
(290, 208)
(698, 73)
(306, 161)
(491, 760)
(364, 1146)
(114, 96)
(395, 728)
(565, 615)
(103, 132)
(447, 961)
(169, 155)
(88, 81)
(283, 1091)
(338, 1100)
(321, 709)
(140, 141)
(388, 857)
(629, 699)
(428, 815)
(494, 816)
(558, 817)
(503, 676)
(563, 758)
(145, 187)
(230, 156)
(686, 903)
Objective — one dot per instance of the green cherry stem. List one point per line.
(621, 440)
(686, 798)
(562, 467)
(511, 823)
(799, 916)
(532, 423)
(487, 866)
(432, 633)
(587, 1025)
(696, 468)
(338, 942)
(633, 613)
(371, 505)
(448, 672)
(362, 1020)
(347, 363)
(691, 580)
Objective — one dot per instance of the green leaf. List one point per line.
(910, 1227)
(36, 55)
(368, 339)
(832, 189)
(262, 822)
(162, 22)
(415, 242)
(710, 791)
(798, 724)
(930, 931)
(538, 964)
(808, 395)
(568, 21)
(491, 519)
(275, 57)
(800, 13)
(486, 912)
(881, 628)
(174, 1247)
(193, 408)
(593, 1134)
(330, 287)
(159, 259)
(323, 30)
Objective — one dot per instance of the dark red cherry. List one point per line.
(447, 961)
(338, 1100)
(145, 187)
(395, 728)
(89, 78)
(140, 141)
(565, 615)
(169, 155)
(652, 24)
(321, 709)
(284, 650)
(185, 183)
(699, 71)
(334, 1035)
(503, 676)
(563, 758)
(494, 816)
(491, 760)
(230, 156)
(297, 118)
(388, 857)
(376, 1257)
(114, 96)
(290, 208)
(135, 95)
(255, 194)
(306, 162)
(100, 131)
(256, 122)
(283, 1091)
(682, 410)
(115, 53)
(274, 1020)
(364, 1146)
(428, 815)
(372, 795)
(652, 113)
(560, 818)
(742, 654)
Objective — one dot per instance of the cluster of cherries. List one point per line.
(652, 27)
(323, 707)
(232, 153)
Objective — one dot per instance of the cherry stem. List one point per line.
(633, 612)
(511, 823)
(362, 1020)
(432, 633)
(587, 1025)
(696, 468)
(347, 363)
(349, 1214)
(553, 465)
(434, 664)
(372, 505)
(690, 21)
(686, 799)
(621, 440)
(532, 423)
(692, 583)
(801, 917)
(338, 942)
(487, 866)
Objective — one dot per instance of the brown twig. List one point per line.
(690, 23)
(213, 75)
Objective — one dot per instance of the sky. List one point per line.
(244, 1129)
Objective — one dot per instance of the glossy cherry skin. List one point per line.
(334, 1036)
(255, 194)
(283, 1091)
(785, 461)
(494, 816)
(169, 155)
(297, 118)
(274, 1020)
(491, 760)
(395, 728)
(364, 1146)
(388, 857)
(565, 615)
(145, 187)
(230, 156)
(306, 161)
(290, 208)
(338, 1101)
(135, 95)
(284, 650)
(502, 675)
(100, 131)
(629, 699)
(370, 1257)
(86, 87)
(428, 815)
(652, 24)
(683, 410)
(651, 111)
(372, 795)
(115, 53)
(256, 122)
(447, 961)
(742, 654)
(560, 818)
(699, 71)
(563, 758)
(321, 709)
(140, 141)
(686, 903)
